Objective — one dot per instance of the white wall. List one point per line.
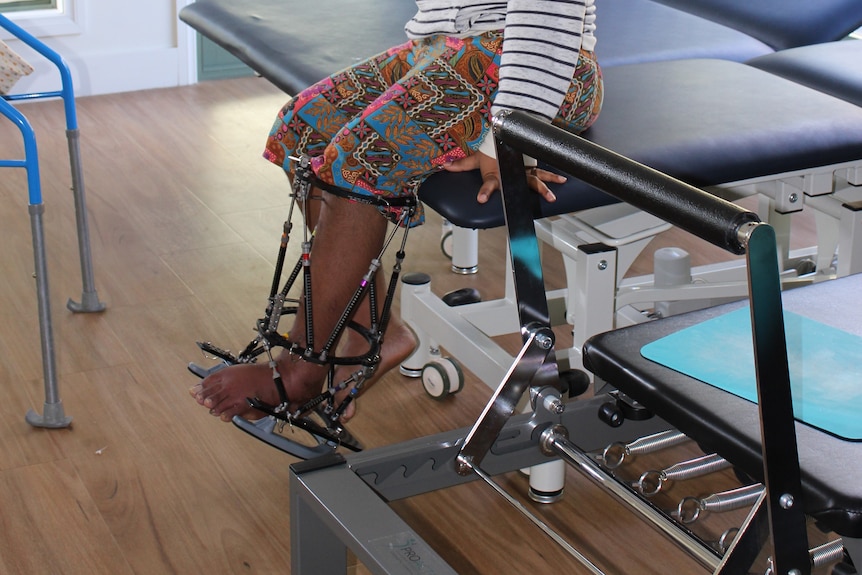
(109, 46)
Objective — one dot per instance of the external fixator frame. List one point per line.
(321, 415)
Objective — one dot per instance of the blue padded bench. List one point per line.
(780, 24)
(283, 41)
(831, 67)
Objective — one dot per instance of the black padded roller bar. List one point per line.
(692, 209)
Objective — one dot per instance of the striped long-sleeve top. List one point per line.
(541, 42)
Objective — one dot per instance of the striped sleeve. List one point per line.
(540, 51)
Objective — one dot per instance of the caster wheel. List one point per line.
(442, 377)
(446, 244)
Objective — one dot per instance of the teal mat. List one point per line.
(825, 366)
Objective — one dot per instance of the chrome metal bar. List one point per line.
(554, 441)
(502, 404)
(538, 522)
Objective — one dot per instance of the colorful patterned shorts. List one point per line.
(384, 125)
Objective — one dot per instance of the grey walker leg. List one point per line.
(53, 416)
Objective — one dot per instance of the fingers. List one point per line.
(546, 176)
(462, 164)
(536, 179)
(540, 188)
(490, 184)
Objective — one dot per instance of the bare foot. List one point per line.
(226, 391)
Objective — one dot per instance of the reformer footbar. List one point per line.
(320, 416)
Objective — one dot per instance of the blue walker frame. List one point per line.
(53, 415)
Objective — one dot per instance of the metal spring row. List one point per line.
(617, 453)
(690, 509)
(652, 482)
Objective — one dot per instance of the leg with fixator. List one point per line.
(319, 417)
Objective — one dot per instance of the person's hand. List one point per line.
(490, 170)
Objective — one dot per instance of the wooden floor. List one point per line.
(185, 217)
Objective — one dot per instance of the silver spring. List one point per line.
(821, 556)
(732, 499)
(652, 482)
(690, 509)
(696, 467)
(827, 553)
(617, 453)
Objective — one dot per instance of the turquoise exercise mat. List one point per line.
(825, 366)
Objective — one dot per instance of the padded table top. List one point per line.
(705, 122)
(294, 43)
(781, 23)
(832, 67)
(728, 425)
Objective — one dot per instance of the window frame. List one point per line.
(65, 19)
(11, 6)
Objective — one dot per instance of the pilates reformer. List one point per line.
(502, 441)
(53, 414)
(602, 237)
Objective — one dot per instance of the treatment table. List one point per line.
(779, 23)
(711, 122)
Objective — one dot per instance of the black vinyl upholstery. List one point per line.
(781, 24)
(833, 67)
(705, 122)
